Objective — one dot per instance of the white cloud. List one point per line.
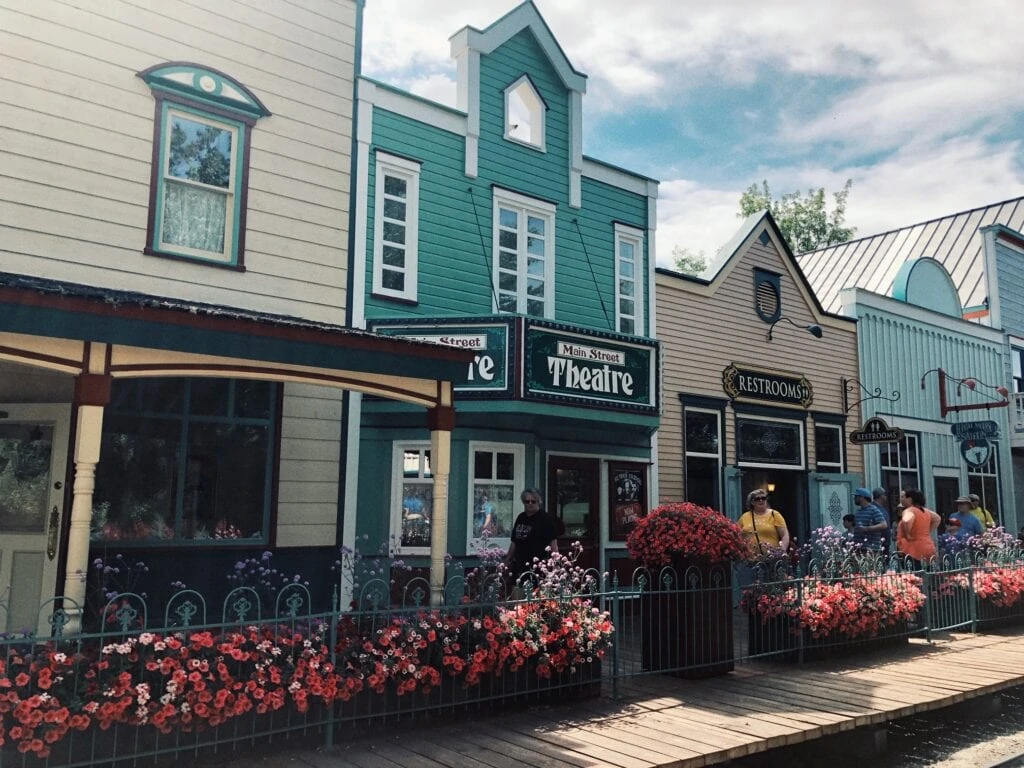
(694, 217)
(439, 88)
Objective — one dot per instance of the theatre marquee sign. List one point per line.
(754, 385)
(589, 369)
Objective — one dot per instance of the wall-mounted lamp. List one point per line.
(814, 330)
(771, 487)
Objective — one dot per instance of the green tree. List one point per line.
(804, 220)
(688, 262)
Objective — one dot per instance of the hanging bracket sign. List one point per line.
(975, 430)
(875, 430)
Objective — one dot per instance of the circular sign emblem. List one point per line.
(976, 452)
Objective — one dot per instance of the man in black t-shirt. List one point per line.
(532, 533)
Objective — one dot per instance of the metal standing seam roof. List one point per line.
(872, 262)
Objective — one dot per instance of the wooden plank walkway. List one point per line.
(661, 721)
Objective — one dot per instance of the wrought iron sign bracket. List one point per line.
(850, 387)
(968, 382)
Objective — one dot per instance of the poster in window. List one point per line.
(627, 498)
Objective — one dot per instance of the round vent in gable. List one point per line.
(767, 300)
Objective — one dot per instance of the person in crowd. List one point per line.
(881, 497)
(764, 528)
(849, 523)
(871, 523)
(916, 527)
(483, 520)
(984, 516)
(964, 523)
(534, 534)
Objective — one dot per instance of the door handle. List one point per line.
(52, 529)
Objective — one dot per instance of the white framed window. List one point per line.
(702, 463)
(524, 114)
(770, 443)
(197, 200)
(412, 497)
(828, 447)
(900, 464)
(629, 290)
(396, 227)
(984, 481)
(524, 255)
(496, 477)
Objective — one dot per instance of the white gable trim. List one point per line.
(615, 177)
(467, 99)
(415, 108)
(510, 25)
(575, 149)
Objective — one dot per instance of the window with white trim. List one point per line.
(412, 497)
(702, 462)
(900, 465)
(828, 447)
(524, 255)
(524, 114)
(396, 227)
(629, 286)
(496, 477)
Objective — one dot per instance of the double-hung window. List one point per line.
(629, 287)
(828, 447)
(396, 227)
(702, 464)
(899, 464)
(524, 255)
(198, 182)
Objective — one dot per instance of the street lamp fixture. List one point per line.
(813, 329)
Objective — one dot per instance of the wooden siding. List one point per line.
(702, 334)
(455, 229)
(307, 503)
(76, 128)
(1010, 271)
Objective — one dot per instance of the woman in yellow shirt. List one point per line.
(763, 527)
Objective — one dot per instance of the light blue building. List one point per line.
(484, 227)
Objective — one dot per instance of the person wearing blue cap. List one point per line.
(870, 523)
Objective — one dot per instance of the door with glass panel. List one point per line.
(33, 462)
(574, 498)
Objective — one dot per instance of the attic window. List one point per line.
(524, 113)
(767, 295)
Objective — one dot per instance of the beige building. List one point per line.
(759, 386)
(174, 250)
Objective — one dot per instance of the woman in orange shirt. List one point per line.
(914, 533)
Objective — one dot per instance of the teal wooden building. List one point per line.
(484, 227)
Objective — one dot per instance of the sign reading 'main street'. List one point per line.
(592, 370)
(741, 383)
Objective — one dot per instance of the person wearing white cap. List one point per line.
(983, 515)
(962, 523)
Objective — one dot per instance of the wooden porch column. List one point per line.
(441, 421)
(92, 393)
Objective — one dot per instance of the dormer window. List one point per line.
(524, 113)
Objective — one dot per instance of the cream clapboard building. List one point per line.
(759, 386)
(174, 238)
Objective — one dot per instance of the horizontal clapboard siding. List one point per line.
(702, 334)
(76, 127)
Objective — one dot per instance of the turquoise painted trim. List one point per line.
(238, 153)
(159, 78)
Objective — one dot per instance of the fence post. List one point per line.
(616, 618)
(973, 608)
(800, 606)
(928, 578)
(332, 634)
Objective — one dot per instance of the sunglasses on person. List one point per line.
(760, 498)
(531, 501)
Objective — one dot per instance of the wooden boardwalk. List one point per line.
(662, 721)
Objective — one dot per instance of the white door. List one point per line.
(33, 462)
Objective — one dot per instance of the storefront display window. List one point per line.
(828, 447)
(899, 464)
(984, 481)
(496, 480)
(703, 459)
(413, 500)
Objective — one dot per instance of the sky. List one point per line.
(919, 102)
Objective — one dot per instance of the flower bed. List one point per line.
(998, 592)
(830, 612)
(196, 680)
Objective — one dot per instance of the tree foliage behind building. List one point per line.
(805, 221)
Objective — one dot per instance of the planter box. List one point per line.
(776, 640)
(687, 630)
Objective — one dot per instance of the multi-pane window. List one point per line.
(984, 481)
(198, 189)
(828, 447)
(702, 448)
(629, 290)
(769, 442)
(412, 497)
(524, 114)
(201, 157)
(396, 227)
(524, 255)
(1017, 359)
(186, 459)
(496, 478)
(900, 465)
